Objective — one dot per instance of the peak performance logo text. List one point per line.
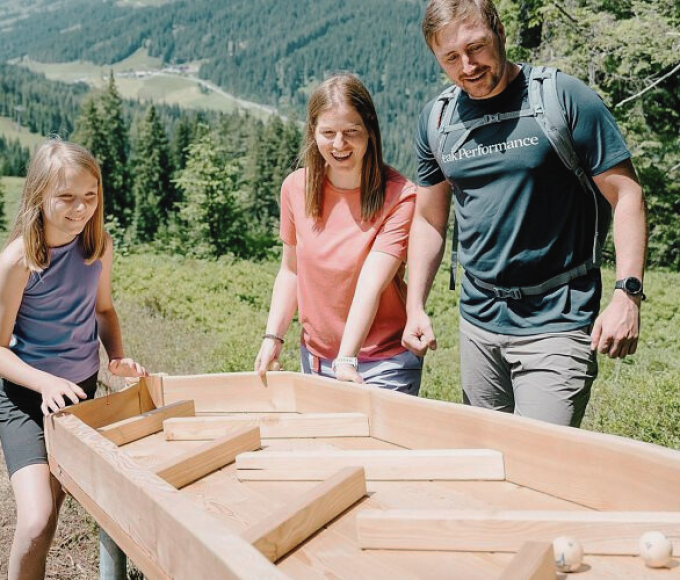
(482, 150)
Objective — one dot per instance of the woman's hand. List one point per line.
(268, 357)
(126, 367)
(346, 372)
(56, 391)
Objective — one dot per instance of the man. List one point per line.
(529, 328)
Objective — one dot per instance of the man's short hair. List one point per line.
(439, 13)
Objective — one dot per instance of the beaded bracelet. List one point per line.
(272, 336)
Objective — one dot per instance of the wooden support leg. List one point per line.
(112, 560)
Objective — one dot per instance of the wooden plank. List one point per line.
(189, 467)
(606, 533)
(323, 395)
(232, 392)
(109, 409)
(159, 520)
(285, 529)
(279, 425)
(153, 384)
(394, 465)
(134, 428)
(534, 561)
(622, 474)
(143, 560)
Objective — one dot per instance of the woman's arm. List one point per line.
(378, 271)
(109, 326)
(281, 312)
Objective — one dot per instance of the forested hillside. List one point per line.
(273, 52)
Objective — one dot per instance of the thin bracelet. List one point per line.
(272, 336)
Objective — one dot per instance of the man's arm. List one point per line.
(616, 330)
(425, 251)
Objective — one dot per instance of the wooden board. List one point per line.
(272, 425)
(276, 535)
(534, 561)
(610, 533)
(431, 464)
(133, 428)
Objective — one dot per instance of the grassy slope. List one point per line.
(170, 89)
(194, 316)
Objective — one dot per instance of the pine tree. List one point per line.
(210, 216)
(101, 128)
(115, 162)
(181, 141)
(155, 194)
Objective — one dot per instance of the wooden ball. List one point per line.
(568, 553)
(274, 366)
(656, 549)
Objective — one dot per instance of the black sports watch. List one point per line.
(631, 286)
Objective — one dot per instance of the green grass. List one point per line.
(26, 138)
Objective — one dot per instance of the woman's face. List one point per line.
(342, 139)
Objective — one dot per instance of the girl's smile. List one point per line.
(68, 208)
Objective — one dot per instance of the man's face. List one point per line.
(473, 57)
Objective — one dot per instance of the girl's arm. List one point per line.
(109, 327)
(378, 271)
(13, 279)
(281, 312)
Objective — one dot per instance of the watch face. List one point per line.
(632, 285)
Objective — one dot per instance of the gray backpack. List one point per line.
(545, 107)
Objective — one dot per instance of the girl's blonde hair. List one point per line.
(348, 89)
(44, 174)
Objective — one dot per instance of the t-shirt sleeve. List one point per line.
(429, 172)
(287, 221)
(392, 237)
(597, 138)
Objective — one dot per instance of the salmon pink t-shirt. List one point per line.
(330, 253)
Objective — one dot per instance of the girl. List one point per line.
(345, 220)
(55, 302)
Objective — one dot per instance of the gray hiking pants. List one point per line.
(542, 376)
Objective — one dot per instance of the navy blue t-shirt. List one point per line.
(522, 215)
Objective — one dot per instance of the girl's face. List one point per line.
(342, 139)
(69, 206)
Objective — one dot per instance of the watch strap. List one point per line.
(349, 360)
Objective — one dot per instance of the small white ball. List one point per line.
(568, 553)
(656, 549)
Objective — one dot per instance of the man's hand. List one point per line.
(418, 334)
(616, 330)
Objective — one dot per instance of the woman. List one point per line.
(345, 219)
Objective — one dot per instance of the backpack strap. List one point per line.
(543, 98)
(436, 138)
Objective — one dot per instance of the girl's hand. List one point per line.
(55, 393)
(347, 372)
(126, 367)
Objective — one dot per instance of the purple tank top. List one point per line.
(56, 329)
